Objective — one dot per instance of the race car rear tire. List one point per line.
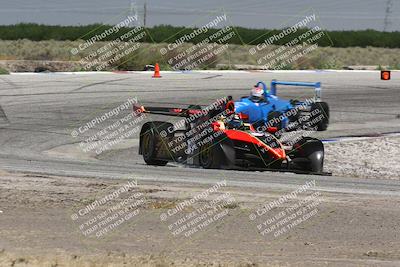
(148, 146)
(209, 157)
(319, 109)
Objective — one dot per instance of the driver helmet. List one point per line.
(257, 91)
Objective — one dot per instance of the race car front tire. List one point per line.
(308, 155)
(319, 116)
(209, 157)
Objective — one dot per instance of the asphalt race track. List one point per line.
(38, 112)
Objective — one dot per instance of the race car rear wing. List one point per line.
(317, 87)
(178, 112)
(183, 112)
(161, 110)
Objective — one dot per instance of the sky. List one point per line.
(332, 14)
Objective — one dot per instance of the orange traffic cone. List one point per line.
(157, 71)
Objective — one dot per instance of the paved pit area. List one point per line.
(47, 174)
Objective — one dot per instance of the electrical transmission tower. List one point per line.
(145, 13)
(387, 22)
(133, 13)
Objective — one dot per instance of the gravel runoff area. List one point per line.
(372, 158)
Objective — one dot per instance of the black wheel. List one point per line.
(308, 155)
(293, 117)
(313, 163)
(148, 149)
(208, 157)
(319, 116)
(316, 162)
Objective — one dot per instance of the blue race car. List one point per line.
(263, 109)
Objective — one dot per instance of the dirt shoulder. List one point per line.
(38, 227)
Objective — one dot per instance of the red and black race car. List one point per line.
(216, 138)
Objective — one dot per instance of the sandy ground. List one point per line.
(37, 229)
